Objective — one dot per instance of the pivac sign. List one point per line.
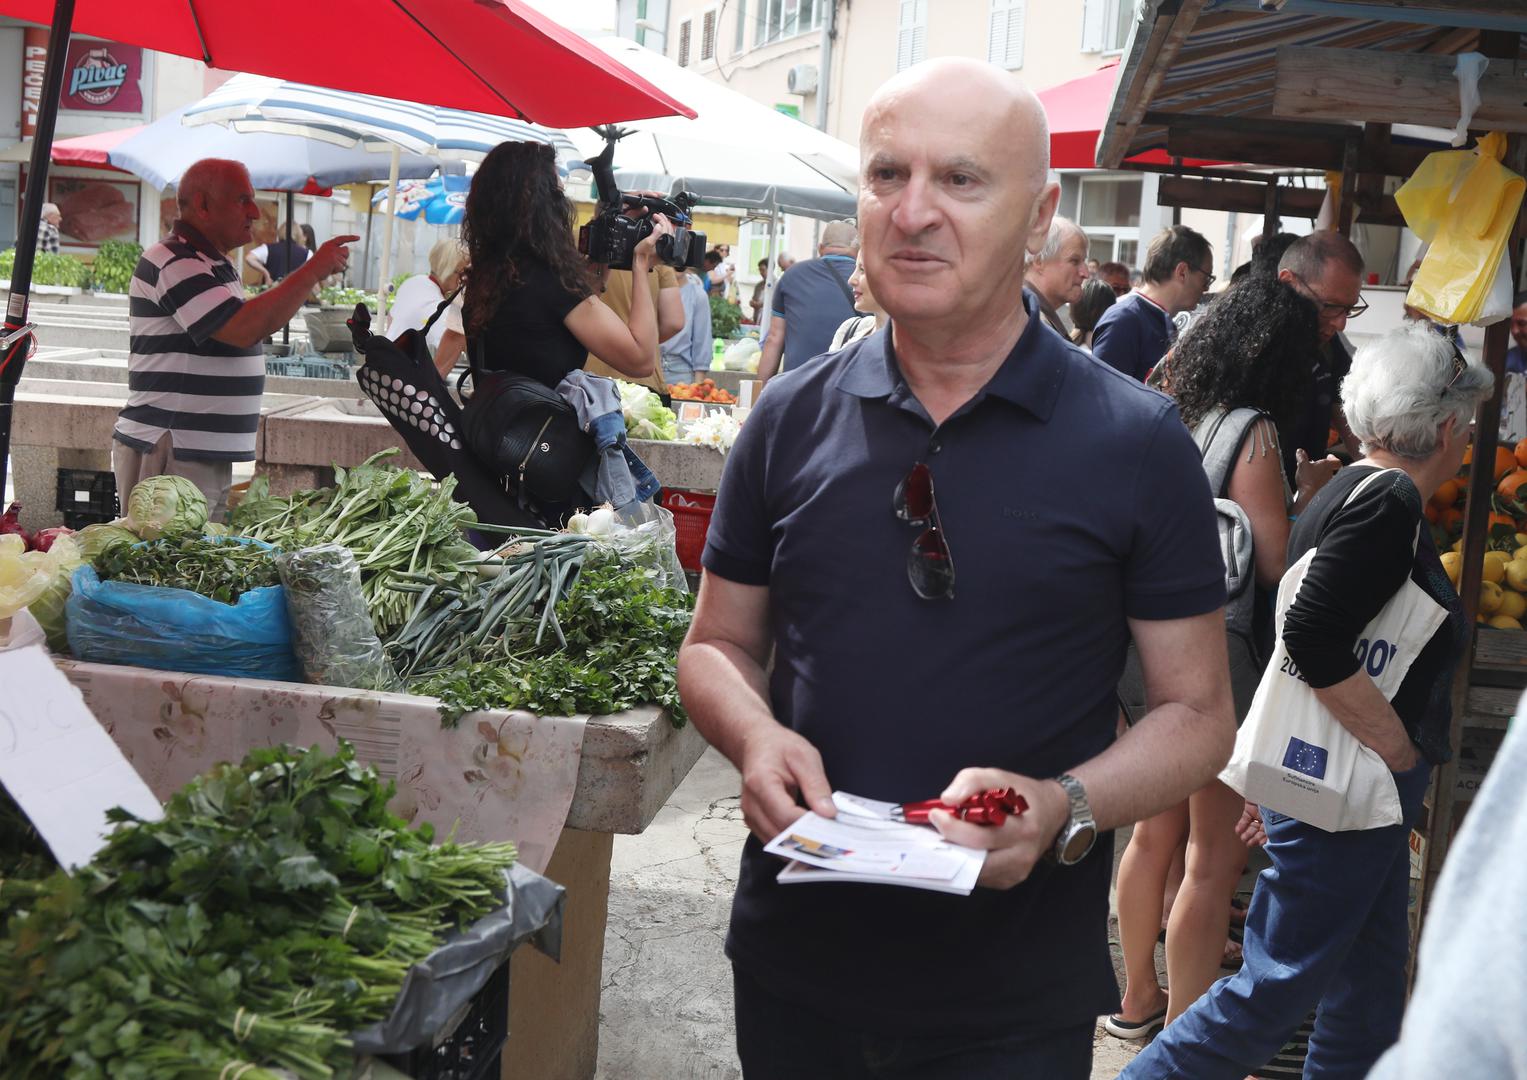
(97, 77)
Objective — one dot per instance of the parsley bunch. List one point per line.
(622, 633)
(274, 909)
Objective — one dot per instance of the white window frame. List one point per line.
(779, 20)
(1100, 22)
(710, 27)
(1114, 234)
(911, 33)
(686, 38)
(1006, 22)
(740, 40)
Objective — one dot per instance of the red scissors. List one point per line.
(991, 807)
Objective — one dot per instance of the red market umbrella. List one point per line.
(492, 56)
(1077, 111)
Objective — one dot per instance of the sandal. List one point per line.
(1121, 1028)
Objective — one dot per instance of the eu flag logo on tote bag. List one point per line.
(1306, 758)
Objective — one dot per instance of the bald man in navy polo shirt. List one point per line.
(945, 536)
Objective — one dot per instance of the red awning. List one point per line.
(1077, 112)
(91, 151)
(494, 56)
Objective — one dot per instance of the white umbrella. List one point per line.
(735, 152)
(260, 103)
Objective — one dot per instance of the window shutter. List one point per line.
(1005, 46)
(708, 35)
(1094, 20)
(684, 43)
(742, 25)
(912, 34)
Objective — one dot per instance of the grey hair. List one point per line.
(1397, 394)
(203, 177)
(1061, 229)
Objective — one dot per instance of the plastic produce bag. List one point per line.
(643, 535)
(120, 622)
(1464, 203)
(332, 631)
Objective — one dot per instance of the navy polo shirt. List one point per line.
(1071, 497)
(1132, 336)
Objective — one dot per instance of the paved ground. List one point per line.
(666, 1010)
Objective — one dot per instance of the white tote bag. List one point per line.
(1292, 755)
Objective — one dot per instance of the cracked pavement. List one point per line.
(665, 1007)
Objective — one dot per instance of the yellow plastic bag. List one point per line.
(26, 575)
(1464, 203)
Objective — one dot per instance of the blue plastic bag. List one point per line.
(120, 622)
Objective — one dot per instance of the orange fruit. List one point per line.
(1447, 494)
(1521, 453)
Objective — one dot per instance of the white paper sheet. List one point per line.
(58, 763)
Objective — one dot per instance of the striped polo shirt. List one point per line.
(180, 379)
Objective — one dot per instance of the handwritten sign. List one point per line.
(58, 763)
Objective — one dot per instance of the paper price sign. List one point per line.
(58, 763)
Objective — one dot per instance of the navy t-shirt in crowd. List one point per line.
(1072, 498)
(813, 299)
(1133, 335)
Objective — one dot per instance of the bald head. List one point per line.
(955, 191)
(988, 103)
(209, 177)
(214, 195)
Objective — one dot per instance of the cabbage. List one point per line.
(95, 540)
(646, 415)
(166, 506)
(48, 608)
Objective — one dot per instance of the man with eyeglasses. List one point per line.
(927, 558)
(1327, 269)
(1135, 333)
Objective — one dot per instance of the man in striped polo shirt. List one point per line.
(196, 365)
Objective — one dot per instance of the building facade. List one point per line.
(821, 60)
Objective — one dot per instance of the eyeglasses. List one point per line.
(1329, 310)
(930, 567)
(1460, 365)
(1209, 279)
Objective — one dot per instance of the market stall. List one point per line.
(522, 694)
(1327, 86)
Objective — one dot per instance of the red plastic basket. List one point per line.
(691, 521)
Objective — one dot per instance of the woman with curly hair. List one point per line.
(530, 304)
(1239, 373)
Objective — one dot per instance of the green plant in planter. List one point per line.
(114, 265)
(65, 270)
(7, 261)
(724, 317)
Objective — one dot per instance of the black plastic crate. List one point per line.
(473, 1046)
(87, 495)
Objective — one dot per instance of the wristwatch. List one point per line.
(1080, 831)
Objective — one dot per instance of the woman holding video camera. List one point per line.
(531, 307)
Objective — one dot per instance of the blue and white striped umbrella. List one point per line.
(260, 103)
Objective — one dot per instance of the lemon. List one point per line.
(1504, 622)
(1458, 544)
(1513, 605)
(1452, 562)
(1521, 539)
(1491, 596)
(1516, 574)
(1495, 566)
(1519, 553)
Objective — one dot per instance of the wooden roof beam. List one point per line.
(1249, 198)
(1279, 143)
(1393, 88)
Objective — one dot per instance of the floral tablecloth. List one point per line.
(497, 776)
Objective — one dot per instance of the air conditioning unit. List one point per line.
(802, 79)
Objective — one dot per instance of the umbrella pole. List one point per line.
(366, 258)
(286, 327)
(392, 209)
(15, 340)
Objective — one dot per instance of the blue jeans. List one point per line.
(1326, 930)
(779, 1039)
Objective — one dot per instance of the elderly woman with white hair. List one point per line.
(1327, 927)
(418, 298)
(1058, 272)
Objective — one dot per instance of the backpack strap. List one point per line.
(439, 311)
(1219, 436)
(848, 294)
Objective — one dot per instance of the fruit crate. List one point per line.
(471, 1045)
(691, 521)
(86, 496)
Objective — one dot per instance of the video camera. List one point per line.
(611, 237)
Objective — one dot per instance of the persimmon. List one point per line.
(1447, 494)
(1511, 484)
(1452, 520)
(1521, 453)
(1505, 461)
